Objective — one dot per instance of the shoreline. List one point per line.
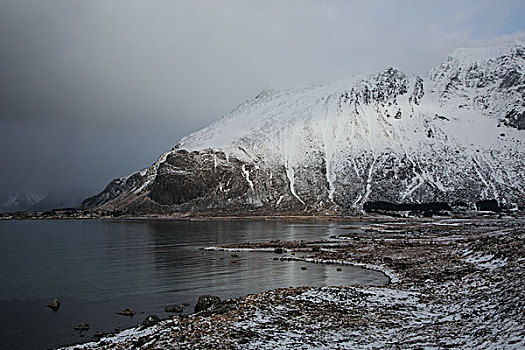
(459, 285)
(392, 277)
(77, 214)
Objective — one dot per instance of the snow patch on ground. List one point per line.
(483, 261)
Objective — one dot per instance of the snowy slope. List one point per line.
(68, 197)
(19, 199)
(452, 136)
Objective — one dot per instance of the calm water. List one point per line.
(96, 268)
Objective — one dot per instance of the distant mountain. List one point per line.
(454, 136)
(70, 197)
(19, 199)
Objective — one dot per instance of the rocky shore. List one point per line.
(455, 284)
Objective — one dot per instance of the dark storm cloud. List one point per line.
(91, 90)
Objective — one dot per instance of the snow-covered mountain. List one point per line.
(19, 199)
(453, 136)
(66, 197)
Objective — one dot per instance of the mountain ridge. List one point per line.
(452, 136)
(19, 199)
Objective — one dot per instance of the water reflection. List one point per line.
(98, 267)
(180, 264)
(100, 260)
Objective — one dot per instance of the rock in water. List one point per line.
(54, 305)
(99, 335)
(207, 301)
(82, 327)
(151, 320)
(173, 308)
(126, 312)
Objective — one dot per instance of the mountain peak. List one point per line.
(487, 81)
(515, 49)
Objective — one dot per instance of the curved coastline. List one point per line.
(456, 283)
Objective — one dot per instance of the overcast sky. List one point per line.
(92, 90)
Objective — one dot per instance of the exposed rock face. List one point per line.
(201, 181)
(211, 179)
(454, 136)
(490, 81)
(114, 189)
(515, 119)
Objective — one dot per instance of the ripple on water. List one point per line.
(97, 268)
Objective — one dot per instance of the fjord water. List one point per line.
(98, 267)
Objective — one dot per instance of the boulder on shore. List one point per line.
(151, 320)
(207, 301)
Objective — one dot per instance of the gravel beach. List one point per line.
(454, 284)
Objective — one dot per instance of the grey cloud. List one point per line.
(91, 90)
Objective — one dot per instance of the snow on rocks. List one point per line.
(454, 136)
